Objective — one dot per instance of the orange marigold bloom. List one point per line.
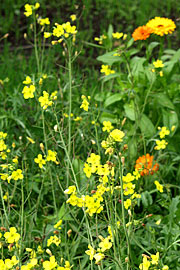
(142, 33)
(145, 165)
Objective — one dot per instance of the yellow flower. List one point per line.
(165, 267)
(105, 244)
(51, 264)
(28, 91)
(161, 26)
(47, 34)
(145, 265)
(44, 100)
(160, 144)
(155, 258)
(85, 103)
(73, 17)
(28, 10)
(44, 21)
(27, 81)
(51, 156)
(106, 69)
(30, 140)
(40, 161)
(158, 63)
(58, 224)
(99, 257)
(127, 203)
(70, 190)
(163, 132)
(117, 35)
(158, 186)
(117, 135)
(87, 170)
(17, 175)
(12, 236)
(107, 126)
(91, 251)
(53, 239)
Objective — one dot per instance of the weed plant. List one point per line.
(89, 161)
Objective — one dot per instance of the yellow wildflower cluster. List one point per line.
(52, 264)
(9, 170)
(46, 100)
(161, 144)
(158, 186)
(117, 35)
(53, 240)
(62, 31)
(50, 157)
(44, 21)
(8, 263)
(85, 103)
(115, 135)
(29, 88)
(151, 261)
(104, 245)
(107, 126)
(106, 70)
(29, 9)
(129, 187)
(158, 64)
(100, 39)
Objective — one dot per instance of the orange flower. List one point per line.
(145, 165)
(142, 33)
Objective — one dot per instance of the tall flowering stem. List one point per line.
(121, 169)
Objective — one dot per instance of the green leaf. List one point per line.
(170, 118)
(110, 31)
(110, 76)
(130, 43)
(146, 199)
(109, 58)
(151, 46)
(112, 99)
(173, 208)
(163, 100)
(105, 116)
(137, 65)
(147, 127)
(129, 111)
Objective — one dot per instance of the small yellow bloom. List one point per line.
(40, 161)
(158, 64)
(91, 251)
(158, 186)
(73, 17)
(12, 236)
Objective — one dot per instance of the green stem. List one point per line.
(123, 212)
(4, 207)
(35, 42)
(49, 170)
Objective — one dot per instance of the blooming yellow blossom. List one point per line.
(51, 264)
(155, 258)
(117, 35)
(158, 64)
(117, 135)
(158, 186)
(28, 91)
(107, 126)
(160, 144)
(27, 80)
(40, 161)
(163, 132)
(17, 175)
(73, 17)
(91, 251)
(12, 236)
(106, 69)
(51, 156)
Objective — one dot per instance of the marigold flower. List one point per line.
(142, 33)
(161, 26)
(145, 165)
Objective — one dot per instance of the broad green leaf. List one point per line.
(163, 100)
(173, 208)
(170, 118)
(112, 99)
(130, 43)
(137, 65)
(110, 76)
(109, 58)
(151, 46)
(105, 116)
(147, 127)
(146, 199)
(110, 31)
(132, 149)
(129, 111)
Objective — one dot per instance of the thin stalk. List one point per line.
(70, 105)
(49, 171)
(4, 207)
(35, 43)
(123, 213)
